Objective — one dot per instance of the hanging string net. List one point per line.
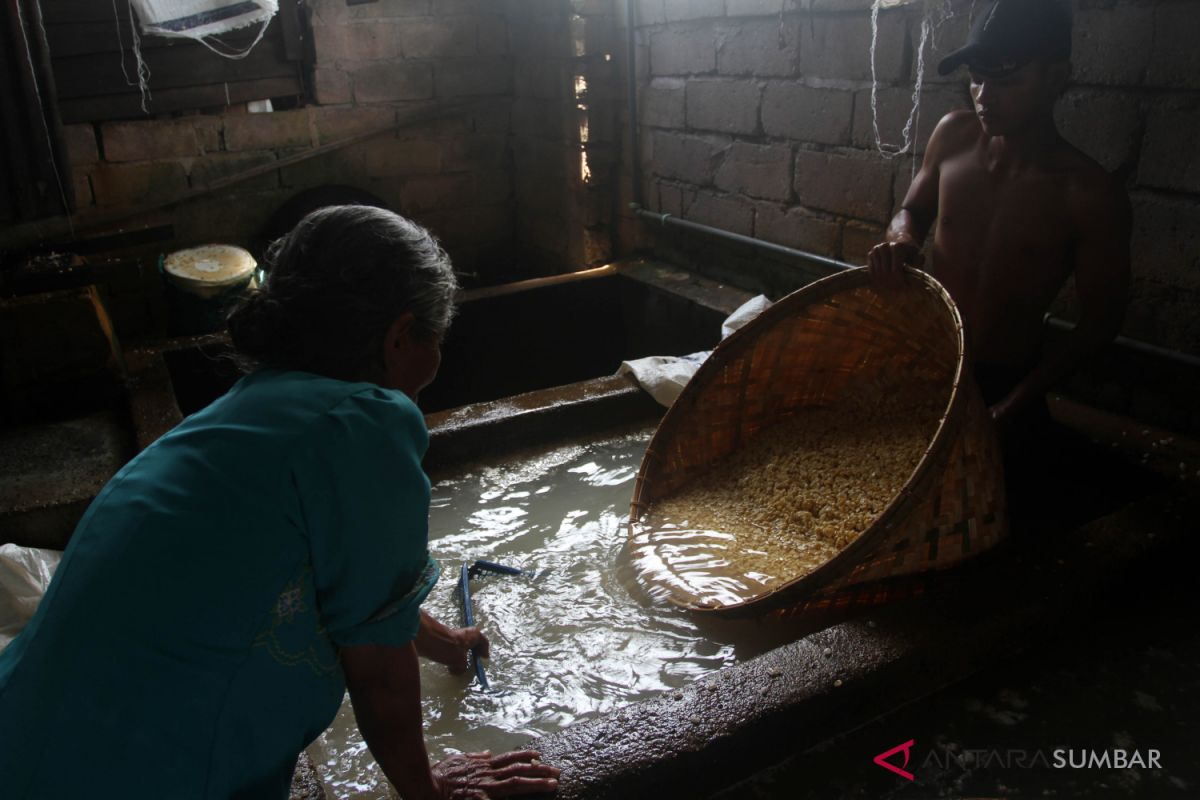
(934, 14)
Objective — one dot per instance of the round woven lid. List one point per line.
(210, 266)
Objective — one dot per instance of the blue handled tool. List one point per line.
(464, 582)
(491, 566)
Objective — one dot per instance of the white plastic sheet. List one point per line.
(25, 573)
(665, 376)
(198, 18)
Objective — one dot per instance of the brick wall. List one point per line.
(755, 117)
(373, 62)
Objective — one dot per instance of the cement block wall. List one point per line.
(373, 62)
(755, 116)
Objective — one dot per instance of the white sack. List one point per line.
(665, 376)
(25, 573)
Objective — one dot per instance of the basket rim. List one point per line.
(841, 564)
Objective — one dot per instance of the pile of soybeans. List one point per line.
(791, 497)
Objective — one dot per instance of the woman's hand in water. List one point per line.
(458, 658)
(450, 646)
(480, 776)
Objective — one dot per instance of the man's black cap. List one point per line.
(1010, 34)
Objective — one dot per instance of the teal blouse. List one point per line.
(188, 644)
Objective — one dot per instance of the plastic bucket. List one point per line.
(201, 283)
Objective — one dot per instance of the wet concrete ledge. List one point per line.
(306, 783)
(729, 725)
(497, 428)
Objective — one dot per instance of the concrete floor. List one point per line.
(1125, 675)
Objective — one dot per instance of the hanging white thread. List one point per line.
(913, 127)
(932, 19)
(143, 70)
(235, 55)
(37, 91)
(121, 44)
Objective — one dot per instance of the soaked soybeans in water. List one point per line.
(786, 502)
(576, 640)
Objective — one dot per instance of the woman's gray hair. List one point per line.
(335, 284)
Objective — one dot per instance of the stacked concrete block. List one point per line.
(729, 212)
(850, 184)
(758, 171)
(724, 106)
(753, 115)
(793, 111)
(798, 228)
(686, 51)
(760, 48)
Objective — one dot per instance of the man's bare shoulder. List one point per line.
(956, 132)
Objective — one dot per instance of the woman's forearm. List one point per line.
(449, 646)
(433, 638)
(385, 688)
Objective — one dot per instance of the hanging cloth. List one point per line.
(196, 19)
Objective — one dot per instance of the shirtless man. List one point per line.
(1018, 211)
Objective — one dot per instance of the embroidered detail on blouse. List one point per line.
(289, 623)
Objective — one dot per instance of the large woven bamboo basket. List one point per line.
(810, 350)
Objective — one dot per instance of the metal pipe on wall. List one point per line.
(669, 220)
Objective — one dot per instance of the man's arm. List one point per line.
(449, 646)
(908, 229)
(1101, 269)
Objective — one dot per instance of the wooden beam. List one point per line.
(129, 106)
(170, 67)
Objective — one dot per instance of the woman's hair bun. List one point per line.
(254, 324)
(334, 285)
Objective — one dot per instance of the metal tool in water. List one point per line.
(464, 584)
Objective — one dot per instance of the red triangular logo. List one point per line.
(881, 759)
